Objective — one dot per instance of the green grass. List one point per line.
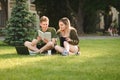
(100, 60)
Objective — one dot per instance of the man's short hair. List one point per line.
(44, 18)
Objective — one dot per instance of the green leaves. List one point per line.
(20, 24)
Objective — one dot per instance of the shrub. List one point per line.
(20, 26)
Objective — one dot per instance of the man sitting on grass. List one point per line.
(39, 45)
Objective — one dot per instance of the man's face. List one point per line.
(44, 25)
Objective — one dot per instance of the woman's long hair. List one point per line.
(66, 21)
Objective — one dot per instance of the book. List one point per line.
(46, 35)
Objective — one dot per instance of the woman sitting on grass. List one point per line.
(68, 38)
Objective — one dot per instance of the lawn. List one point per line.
(100, 60)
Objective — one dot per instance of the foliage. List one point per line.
(98, 61)
(20, 26)
(55, 9)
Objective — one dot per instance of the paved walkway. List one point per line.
(99, 37)
(86, 37)
(1, 38)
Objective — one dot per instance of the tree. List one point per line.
(82, 13)
(21, 24)
(76, 14)
(74, 10)
(53, 9)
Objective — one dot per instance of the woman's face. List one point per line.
(62, 26)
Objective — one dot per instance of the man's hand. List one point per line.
(45, 40)
(54, 40)
(34, 42)
(39, 38)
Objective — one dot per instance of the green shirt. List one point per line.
(50, 29)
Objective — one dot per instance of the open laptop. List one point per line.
(22, 50)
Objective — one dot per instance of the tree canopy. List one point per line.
(82, 13)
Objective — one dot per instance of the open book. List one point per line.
(46, 35)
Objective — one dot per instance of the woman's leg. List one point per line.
(59, 48)
(74, 49)
(66, 45)
(71, 48)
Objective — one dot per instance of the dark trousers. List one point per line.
(40, 46)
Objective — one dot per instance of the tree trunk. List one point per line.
(80, 19)
(77, 17)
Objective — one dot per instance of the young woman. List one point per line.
(68, 38)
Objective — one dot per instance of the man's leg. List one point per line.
(30, 46)
(49, 45)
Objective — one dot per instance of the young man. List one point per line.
(39, 45)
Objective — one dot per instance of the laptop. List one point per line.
(22, 50)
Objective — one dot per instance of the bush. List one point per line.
(20, 26)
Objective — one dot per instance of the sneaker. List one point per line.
(65, 53)
(32, 52)
(78, 53)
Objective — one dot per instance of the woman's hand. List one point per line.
(68, 39)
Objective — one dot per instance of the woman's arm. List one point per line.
(74, 39)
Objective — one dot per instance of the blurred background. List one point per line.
(87, 16)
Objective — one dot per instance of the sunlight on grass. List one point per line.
(20, 61)
(99, 48)
(7, 50)
(99, 61)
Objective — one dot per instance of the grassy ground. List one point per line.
(100, 60)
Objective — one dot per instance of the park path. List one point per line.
(98, 37)
(1, 38)
(85, 37)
